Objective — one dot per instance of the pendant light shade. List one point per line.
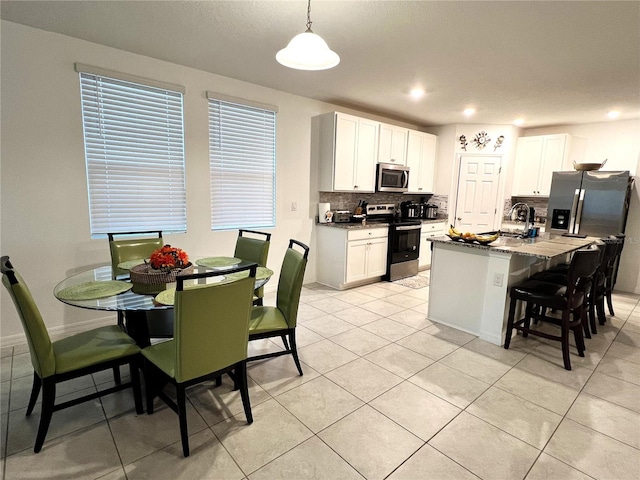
(308, 51)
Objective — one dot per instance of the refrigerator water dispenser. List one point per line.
(560, 219)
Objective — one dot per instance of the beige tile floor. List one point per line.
(386, 394)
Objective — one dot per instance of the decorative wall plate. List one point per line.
(481, 140)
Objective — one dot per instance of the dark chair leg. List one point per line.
(284, 341)
(584, 321)
(564, 333)
(116, 375)
(149, 385)
(610, 303)
(294, 349)
(592, 316)
(577, 331)
(509, 332)
(35, 391)
(602, 316)
(241, 373)
(48, 401)
(135, 384)
(218, 380)
(182, 415)
(528, 314)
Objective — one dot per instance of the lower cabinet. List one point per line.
(351, 257)
(429, 230)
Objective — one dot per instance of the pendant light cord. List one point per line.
(309, 17)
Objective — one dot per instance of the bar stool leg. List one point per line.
(509, 332)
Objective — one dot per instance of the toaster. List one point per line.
(342, 216)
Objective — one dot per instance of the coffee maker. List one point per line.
(410, 210)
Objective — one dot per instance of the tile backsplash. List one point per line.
(540, 204)
(349, 201)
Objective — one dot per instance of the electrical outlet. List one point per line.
(294, 206)
(498, 279)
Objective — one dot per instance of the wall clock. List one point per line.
(481, 140)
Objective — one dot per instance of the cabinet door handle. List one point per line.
(419, 188)
(355, 187)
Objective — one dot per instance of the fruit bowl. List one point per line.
(480, 239)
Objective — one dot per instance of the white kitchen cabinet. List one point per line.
(348, 150)
(537, 158)
(429, 230)
(421, 160)
(351, 257)
(392, 144)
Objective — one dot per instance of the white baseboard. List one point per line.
(61, 330)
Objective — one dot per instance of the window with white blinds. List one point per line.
(242, 143)
(134, 151)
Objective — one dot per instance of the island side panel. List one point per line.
(457, 286)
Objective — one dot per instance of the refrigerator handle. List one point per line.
(579, 214)
(574, 205)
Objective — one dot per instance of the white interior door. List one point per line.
(477, 200)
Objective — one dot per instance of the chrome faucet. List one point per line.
(525, 230)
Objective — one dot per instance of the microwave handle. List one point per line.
(405, 179)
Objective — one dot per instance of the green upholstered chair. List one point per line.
(126, 246)
(253, 250)
(71, 357)
(280, 321)
(211, 335)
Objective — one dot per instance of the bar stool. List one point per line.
(569, 299)
(594, 287)
(612, 270)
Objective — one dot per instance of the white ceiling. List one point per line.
(552, 63)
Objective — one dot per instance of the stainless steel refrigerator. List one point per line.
(592, 203)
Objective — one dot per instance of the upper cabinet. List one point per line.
(421, 159)
(537, 158)
(350, 147)
(348, 152)
(392, 146)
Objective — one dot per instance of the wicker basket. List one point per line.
(147, 280)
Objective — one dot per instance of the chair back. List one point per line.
(583, 265)
(290, 282)
(211, 323)
(127, 249)
(253, 249)
(40, 347)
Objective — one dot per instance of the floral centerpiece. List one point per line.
(164, 265)
(167, 258)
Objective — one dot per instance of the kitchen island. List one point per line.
(469, 283)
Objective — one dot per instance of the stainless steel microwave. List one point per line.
(392, 178)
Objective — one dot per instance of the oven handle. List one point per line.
(408, 227)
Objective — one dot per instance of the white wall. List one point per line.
(618, 142)
(45, 225)
(44, 215)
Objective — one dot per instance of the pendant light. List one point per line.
(308, 51)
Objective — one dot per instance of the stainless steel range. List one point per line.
(404, 241)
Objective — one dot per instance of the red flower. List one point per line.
(168, 257)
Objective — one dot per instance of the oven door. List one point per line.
(404, 243)
(392, 178)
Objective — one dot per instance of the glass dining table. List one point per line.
(97, 289)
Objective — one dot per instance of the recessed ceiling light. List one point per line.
(417, 92)
(518, 121)
(469, 111)
(613, 114)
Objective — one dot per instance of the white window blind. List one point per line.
(242, 140)
(134, 151)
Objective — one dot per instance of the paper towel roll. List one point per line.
(323, 208)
